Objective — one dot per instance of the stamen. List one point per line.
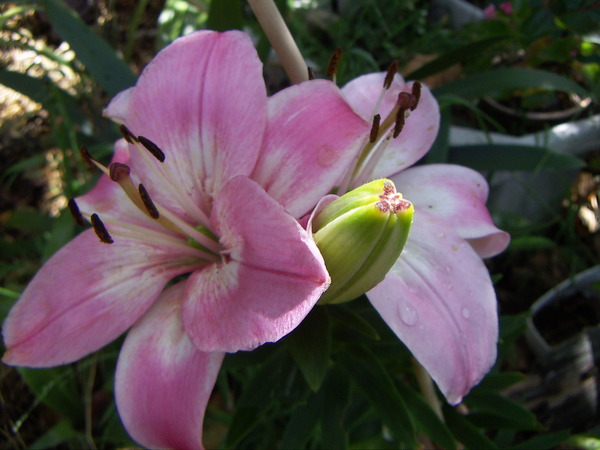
(311, 73)
(334, 61)
(405, 101)
(100, 230)
(152, 148)
(87, 158)
(76, 213)
(389, 77)
(375, 128)
(416, 93)
(399, 124)
(118, 171)
(148, 203)
(127, 134)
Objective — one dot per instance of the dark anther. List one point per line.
(389, 77)
(399, 123)
(311, 73)
(334, 61)
(127, 134)
(87, 158)
(375, 128)
(405, 101)
(152, 148)
(118, 170)
(100, 230)
(79, 220)
(416, 93)
(148, 203)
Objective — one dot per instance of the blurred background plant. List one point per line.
(342, 379)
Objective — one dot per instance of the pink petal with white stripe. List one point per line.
(202, 100)
(270, 278)
(310, 142)
(163, 383)
(84, 297)
(457, 196)
(439, 300)
(420, 129)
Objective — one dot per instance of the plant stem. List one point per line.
(427, 389)
(281, 39)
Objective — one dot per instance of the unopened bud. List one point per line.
(360, 236)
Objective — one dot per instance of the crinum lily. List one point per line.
(207, 184)
(438, 297)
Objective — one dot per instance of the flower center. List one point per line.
(199, 238)
(381, 132)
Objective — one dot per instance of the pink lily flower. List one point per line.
(438, 297)
(209, 186)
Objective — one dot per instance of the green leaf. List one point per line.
(244, 421)
(426, 420)
(512, 157)
(491, 409)
(372, 379)
(335, 395)
(60, 433)
(548, 440)
(349, 318)
(56, 388)
(225, 15)
(498, 381)
(456, 56)
(30, 221)
(310, 346)
(502, 80)
(531, 243)
(465, 432)
(302, 424)
(101, 61)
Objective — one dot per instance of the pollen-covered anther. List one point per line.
(334, 62)
(399, 123)
(87, 158)
(375, 128)
(77, 216)
(101, 230)
(127, 134)
(406, 101)
(148, 203)
(152, 148)
(118, 171)
(416, 93)
(389, 76)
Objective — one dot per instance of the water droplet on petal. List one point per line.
(408, 314)
(466, 312)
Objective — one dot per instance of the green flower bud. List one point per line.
(360, 236)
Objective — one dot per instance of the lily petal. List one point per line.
(310, 142)
(439, 300)
(420, 129)
(457, 196)
(84, 297)
(163, 383)
(273, 277)
(202, 100)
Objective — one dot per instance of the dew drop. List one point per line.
(408, 314)
(466, 312)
